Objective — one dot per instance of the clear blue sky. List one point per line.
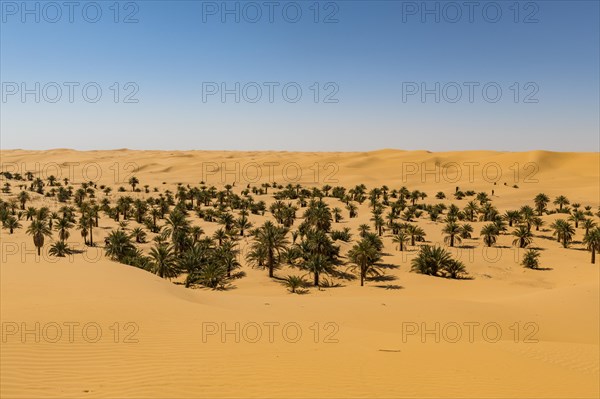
(371, 61)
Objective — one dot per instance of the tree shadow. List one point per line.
(382, 278)
(390, 286)
(238, 275)
(344, 275)
(387, 266)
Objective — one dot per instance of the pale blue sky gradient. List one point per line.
(368, 54)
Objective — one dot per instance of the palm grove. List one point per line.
(298, 228)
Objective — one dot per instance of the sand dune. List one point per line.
(524, 333)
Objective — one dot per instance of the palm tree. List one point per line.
(337, 214)
(577, 217)
(316, 265)
(416, 233)
(139, 234)
(512, 217)
(270, 240)
(60, 249)
(294, 282)
(133, 182)
(564, 231)
(465, 231)
(242, 223)
(11, 223)
(592, 242)
(352, 210)
(537, 222)
(471, 210)
(530, 259)
(83, 226)
(212, 275)
(227, 256)
(23, 197)
(588, 224)
(220, 235)
(196, 232)
(364, 255)
(523, 236)
(363, 229)
(561, 200)
(118, 245)
(490, 234)
(435, 260)
(39, 229)
(527, 215)
(541, 200)
(452, 232)
(62, 226)
(378, 222)
(401, 239)
(163, 261)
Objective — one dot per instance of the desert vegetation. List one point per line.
(295, 233)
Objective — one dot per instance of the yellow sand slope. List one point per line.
(508, 332)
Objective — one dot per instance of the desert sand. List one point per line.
(523, 333)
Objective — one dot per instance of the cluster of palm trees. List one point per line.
(308, 243)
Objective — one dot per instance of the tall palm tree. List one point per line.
(23, 197)
(364, 255)
(363, 229)
(471, 210)
(352, 210)
(118, 245)
(523, 236)
(452, 232)
(592, 242)
(133, 182)
(577, 217)
(401, 238)
(512, 217)
(163, 261)
(490, 234)
(564, 231)
(416, 233)
(337, 214)
(541, 200)
(527, 215)
(39, 229)
(62, 226)
(227, 256)
(588, 224)
(11, 223)
(561, 201)
(270, 240)
(139, 235)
